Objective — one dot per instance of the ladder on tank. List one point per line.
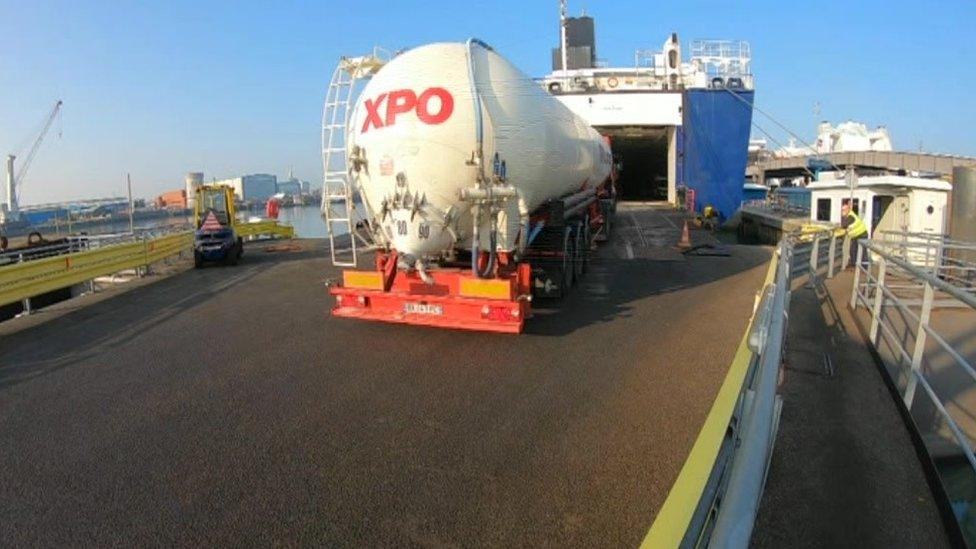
(338, 194)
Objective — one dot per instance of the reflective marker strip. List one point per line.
(488, 289)
(362, 280)
(675, 516)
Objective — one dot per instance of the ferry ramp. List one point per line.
(225, 406)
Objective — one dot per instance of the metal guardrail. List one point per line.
(83, 242)
(21, 281)
(34, 271)
(893, 280)
(951, 260)
(782, 207)
(261, 228)
(716, 497)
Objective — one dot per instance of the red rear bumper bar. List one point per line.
(456, 299)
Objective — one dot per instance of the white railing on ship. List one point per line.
(915, 274)
(777, 206)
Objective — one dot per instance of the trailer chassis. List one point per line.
(559, 241)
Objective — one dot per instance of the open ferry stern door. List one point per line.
(646, 161)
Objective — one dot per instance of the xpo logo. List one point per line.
(402, 101)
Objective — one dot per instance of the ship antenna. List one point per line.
(562, 34)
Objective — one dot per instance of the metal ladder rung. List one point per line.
(338, 204)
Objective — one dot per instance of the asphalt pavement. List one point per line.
(225, 406)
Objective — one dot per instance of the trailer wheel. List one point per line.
(606, 208)
(567, 266)
(579, 252)
(587, 245)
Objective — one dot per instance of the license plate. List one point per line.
(423, 308)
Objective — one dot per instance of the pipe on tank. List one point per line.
(479, 158)
(575, 199)
(570, 212)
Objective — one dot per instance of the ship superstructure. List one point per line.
(674, 122)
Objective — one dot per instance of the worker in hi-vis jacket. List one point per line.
(856, 230)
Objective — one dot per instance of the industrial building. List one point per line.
(293, 186)
(251, 188)
(177, 199)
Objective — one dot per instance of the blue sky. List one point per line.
(161, 88)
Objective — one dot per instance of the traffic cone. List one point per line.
(685, 241)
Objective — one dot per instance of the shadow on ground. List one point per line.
(80, 331)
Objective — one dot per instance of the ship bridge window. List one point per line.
(642, 156)
(823, 209)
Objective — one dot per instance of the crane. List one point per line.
(12, 212)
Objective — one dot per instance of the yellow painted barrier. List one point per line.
(23, 280)
(265, 228)
(675, 516)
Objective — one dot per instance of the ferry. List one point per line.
(679, 128)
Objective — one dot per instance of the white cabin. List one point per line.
(884, 202)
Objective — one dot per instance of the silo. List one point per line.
(193, 180)
(962, 223)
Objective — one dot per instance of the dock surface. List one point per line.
(844, 471)
(225, 406)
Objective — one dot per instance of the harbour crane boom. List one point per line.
(25, 164)
(11, 211)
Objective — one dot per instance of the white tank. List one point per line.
(193, 180)
(414, 136)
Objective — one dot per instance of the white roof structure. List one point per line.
(883, 181)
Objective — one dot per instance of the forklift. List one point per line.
(214, 223)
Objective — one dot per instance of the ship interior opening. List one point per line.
(642, 160)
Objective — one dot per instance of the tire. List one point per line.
(197, 260)
(608, 213)
(579, 252)
(240, 247)
(587, 243)
(567, 266)
(233, 255)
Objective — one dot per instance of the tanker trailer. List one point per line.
(480, 187)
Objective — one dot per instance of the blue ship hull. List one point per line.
(713, 147)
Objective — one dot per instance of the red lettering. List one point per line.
(372, 113)
(423, 106)
(400, 101)
(403, 101)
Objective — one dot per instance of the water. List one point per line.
(120, 226)
(307, 221)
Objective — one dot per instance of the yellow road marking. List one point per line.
(672, 520)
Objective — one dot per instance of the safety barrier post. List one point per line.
(814, 257)
(928, 297)
(830, 254)
(878, 296)
(846, 252)
(814, 261)
(144, 270)
(857, 272)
